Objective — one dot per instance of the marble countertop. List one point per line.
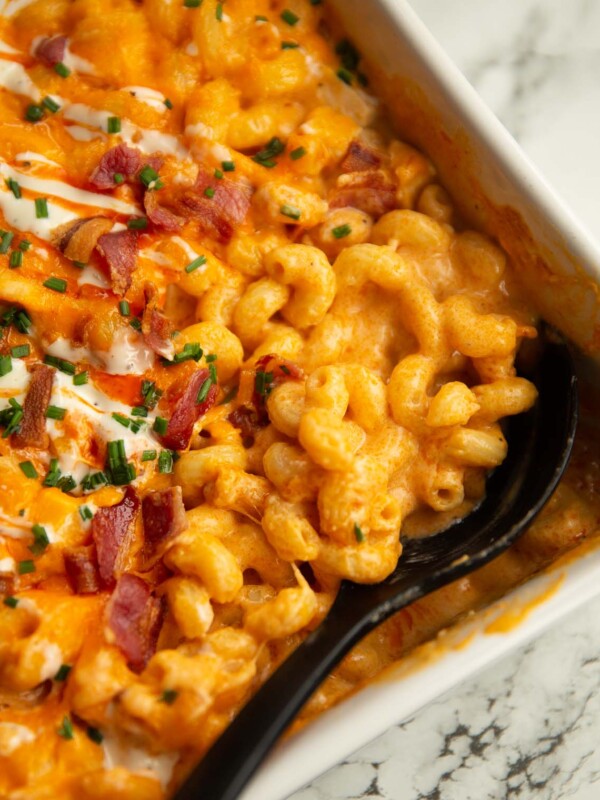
(528, 727)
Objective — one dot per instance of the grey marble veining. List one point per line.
(529, 727)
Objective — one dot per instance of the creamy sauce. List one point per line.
(16, 381)
(14, 527)
(83, 134)
(128, 354)
(91, 276)
(7, 566)
(29, 155)
(14, 78)
(6, 48)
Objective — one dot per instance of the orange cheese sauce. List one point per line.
(261, 324)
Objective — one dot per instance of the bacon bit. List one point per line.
(360, 158)
(33, 426)
(135, 619)
(219, 214)
(159, 215)
(120, 251)
(164, 518)
(156, 328)
(371, 191)
(249, 419)
(81, 567)
(51, 50)
(112, 530)
(77, 240)
(188, 411)
(127, 161)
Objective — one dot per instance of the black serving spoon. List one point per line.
(540, 444)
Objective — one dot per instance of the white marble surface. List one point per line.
(529, 727)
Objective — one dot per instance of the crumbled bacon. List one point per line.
(248, 421)
(159, 215)
(371, 191)
(134, 617)
(219, 206)
(120, 251)
(81, 567)
(51, 50)
(360, 158)
(77, 240)
(164, 517)
(112, 531)
(33, 425)
(122, 160)
(187, 411)
(156, 328)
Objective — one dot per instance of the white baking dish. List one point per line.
(499, 190)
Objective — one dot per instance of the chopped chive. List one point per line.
(150, 394)
(34, 113)
(119, 178)
(228, 166)
(94, 735)
(124, 309)
(136, 323)
(299, 152)
(209, 192)
(316, 2)
(231, 394)
(22, 321)
(16, 259)
(25, 567)
(291, 212)
(360, 537)
(56, 284)
(64, 366)
(121, 419)
(266, 156)
(80, 379)
(169, 696)
(139, 411)
(55, 412)
(51, 105)
(62, 70)
(149, 177)
(289, 45)
(86, 513)
(165, 462)
(11, 601)
(341, 231)
(41, 540)
(160, 425)
(211, 357)
(137, 223)
(349, 55)
(7, 238)
(149, 455)
(168, 103)
(53, 474)
(66, 729)
(20, 351)
(24, 245)
(14, 187)
(41, 208)
(262, 383)
(79, 264)
(5, 365)
(260, 18)
(344, 76)
(218, 173)
(219, 11)
(28, 469)
(192, 3)
(289, 17)
(12, 420)
(67, 483)
(197, 262)
(113, 125)
(63, 673)
(204, 390)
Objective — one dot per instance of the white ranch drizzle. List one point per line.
(128, 354)
(151, 97)
(13, 736)
(7, 566)
(16, 381)
(14, 78)
(29, 155)
(147, 140)
(11, 7)
(6, 48)
(121, 752)
(83, 134)
(90, 276)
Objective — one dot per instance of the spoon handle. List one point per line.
(237, 754)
